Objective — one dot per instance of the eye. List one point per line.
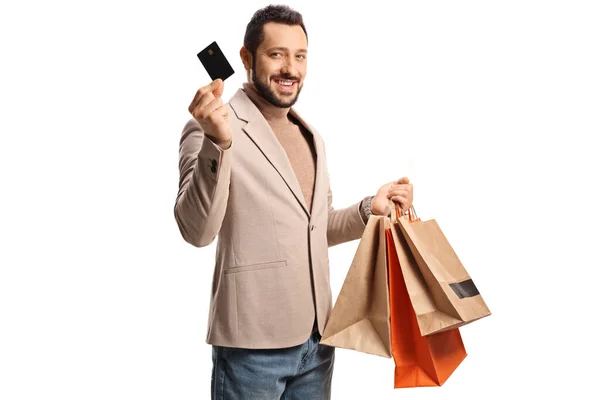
(301, 56)
(276, 54)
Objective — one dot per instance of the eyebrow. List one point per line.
(285, 49)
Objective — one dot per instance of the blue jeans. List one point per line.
(295, 373)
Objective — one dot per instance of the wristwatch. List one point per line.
(367, 207)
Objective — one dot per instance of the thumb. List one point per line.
(217, 87)
(403, 181)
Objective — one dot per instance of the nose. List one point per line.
(288, 67)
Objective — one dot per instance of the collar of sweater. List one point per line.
(275, 116)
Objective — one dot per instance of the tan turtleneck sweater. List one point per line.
(295, 139)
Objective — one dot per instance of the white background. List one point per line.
(491, 108)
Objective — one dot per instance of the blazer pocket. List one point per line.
(255, 267)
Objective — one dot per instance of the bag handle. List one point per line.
(412, 213)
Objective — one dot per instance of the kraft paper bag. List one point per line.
(442, 293)
(360, 319)
(419, 360)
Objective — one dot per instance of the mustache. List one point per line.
(286, 77)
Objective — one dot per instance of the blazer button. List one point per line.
(312, 227)
(213, 162)
(213, 169)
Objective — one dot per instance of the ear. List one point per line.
(246, 58)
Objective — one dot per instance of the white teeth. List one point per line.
(285, 83)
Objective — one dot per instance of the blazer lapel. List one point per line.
(320, 191)
(259, 131)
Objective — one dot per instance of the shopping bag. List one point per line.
(419, 360)
(373, 312)
(360, 319)
(442, 293)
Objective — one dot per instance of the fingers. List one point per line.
(397, 188)
(199, 94)
(401, 193)
(206, 94)
(403, 201)
(207, 107)
(402, 197)
(215, 104)
(217, 87)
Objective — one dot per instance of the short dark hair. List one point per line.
(272, 13)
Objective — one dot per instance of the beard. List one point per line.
(269, 94)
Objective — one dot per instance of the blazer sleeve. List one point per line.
(204, 179)
(345, 224)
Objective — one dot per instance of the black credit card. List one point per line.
(215, 63)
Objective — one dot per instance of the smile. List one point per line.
(286, 84)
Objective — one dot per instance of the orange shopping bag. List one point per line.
(420, 360)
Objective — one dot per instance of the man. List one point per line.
(254, 173)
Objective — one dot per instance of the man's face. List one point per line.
(279, 66)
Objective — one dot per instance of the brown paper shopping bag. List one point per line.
(420, 360)
(360, 319)
(442, 293)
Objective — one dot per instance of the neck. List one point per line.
(274, 115)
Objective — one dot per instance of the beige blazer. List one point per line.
(269, 243)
